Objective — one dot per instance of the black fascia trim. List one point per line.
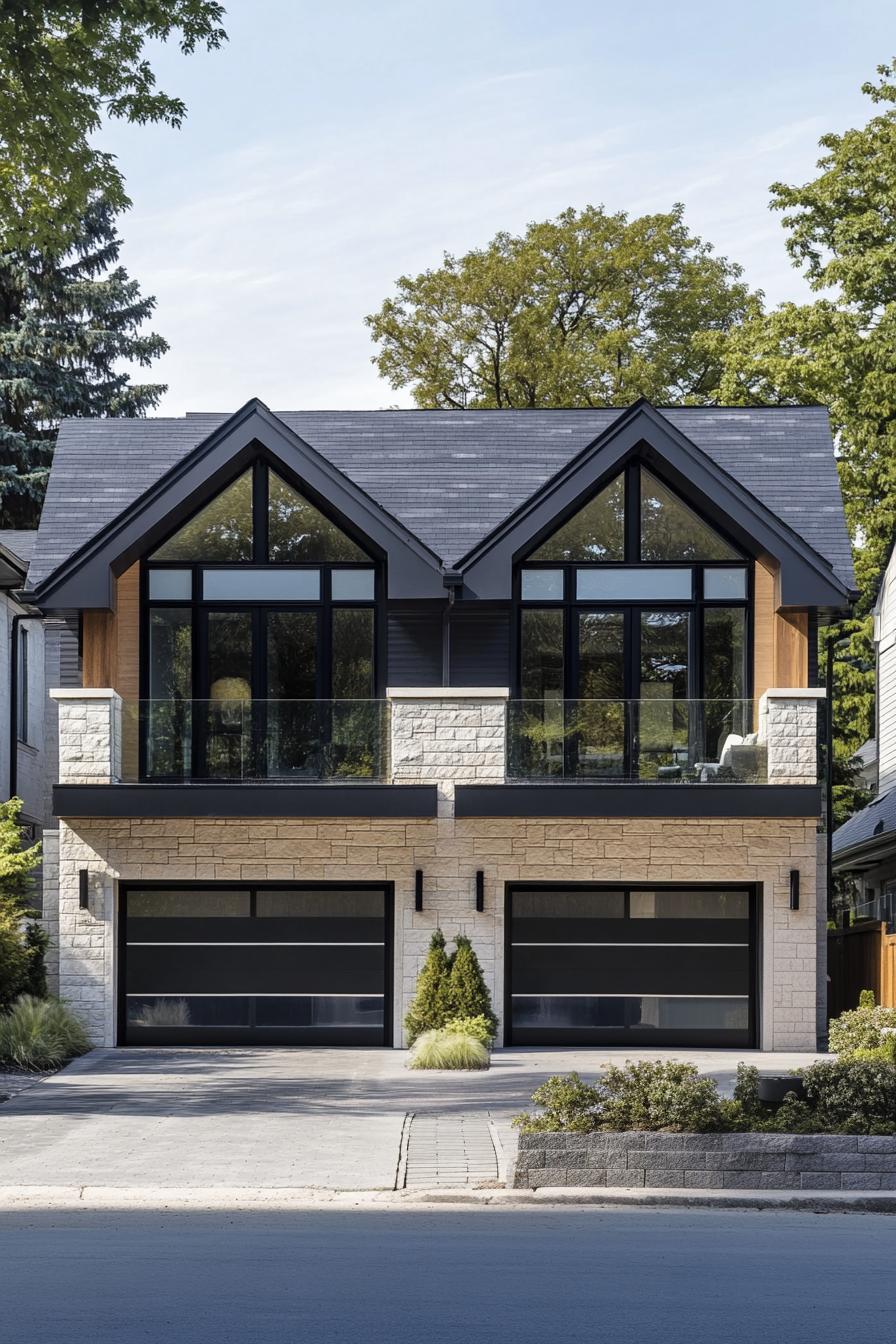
(637, 800)
(85, 579)
(245, 800)
(807, 579)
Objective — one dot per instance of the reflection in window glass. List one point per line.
(323, 904)
(568, 904)
(696, 904)
(186, 904)
(598, 716)
(168, 717)
(542, 585)
(596, 532)
(724, 583)
(670, 530)
(229, 710)
(662, 727)
(169, 1011)
(299, 532)
(220, 531)
(542, 655)
(352, 653)
(724, 676)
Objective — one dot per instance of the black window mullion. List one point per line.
(260, 513)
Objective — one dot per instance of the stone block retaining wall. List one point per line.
(707, 1161)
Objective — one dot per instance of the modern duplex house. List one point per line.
(328, 680)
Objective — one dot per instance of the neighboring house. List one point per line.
(22, 693)
(864, 848)
(328, 680)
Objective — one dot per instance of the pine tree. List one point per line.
(432, 1005)
(468, 991)
(66, 325)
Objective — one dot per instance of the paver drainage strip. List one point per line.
(450, 1150)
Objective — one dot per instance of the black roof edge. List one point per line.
(644, 407)
(252, 407)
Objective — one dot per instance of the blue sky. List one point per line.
(331, 147)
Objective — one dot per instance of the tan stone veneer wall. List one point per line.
(449, 852)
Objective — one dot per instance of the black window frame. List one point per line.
(200, 606)
(23, 724)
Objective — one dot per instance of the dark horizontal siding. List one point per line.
(480, 647)
(415, 648)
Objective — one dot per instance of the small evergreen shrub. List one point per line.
(431, 1007)
(40, 1034)
(852, 1096)
(467, 989)
(654, 1095)
(450, 988)
(860, 1028)
(22, 946)
(569, 1106)
(446, 1049)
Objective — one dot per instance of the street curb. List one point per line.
(34, 1198)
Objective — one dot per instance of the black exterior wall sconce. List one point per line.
(794, 888)
(480, 890)
(83, 892)
(418, 889)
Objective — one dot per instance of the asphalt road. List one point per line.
(478, 1276)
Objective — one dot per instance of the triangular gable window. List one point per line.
(595, 533)
(670, 530)
(299, 533)
(222, 531)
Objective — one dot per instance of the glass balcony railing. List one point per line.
(254, 740)
(635, 741)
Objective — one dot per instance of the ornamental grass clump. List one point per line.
(444, 1048)
(40, 1034)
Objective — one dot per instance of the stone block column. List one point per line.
(89, 753)
(445, 736)
(788, 725)
(795, 940)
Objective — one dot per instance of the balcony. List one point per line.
(443, 751)
(659, 741)
(252, 741)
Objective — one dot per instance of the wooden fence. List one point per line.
(863, 957)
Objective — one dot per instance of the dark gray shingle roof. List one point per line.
(874, 822)
(450, 477)
(20, 541)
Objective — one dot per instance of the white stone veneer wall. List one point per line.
(443, 737)
(788, 724)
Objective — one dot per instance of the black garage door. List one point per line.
(631, 966)
(260, 965)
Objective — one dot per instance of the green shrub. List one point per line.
(860, 1028)
(21, 947)
(14, 958)
(467, 989)
(444, 1049)
(40, 1034)
(651, 1096)
(431, 1006)
(866, 998)
(853, 1096)
(568, 1105)
(480, 1027)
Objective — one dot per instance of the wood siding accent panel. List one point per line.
(111, 657)
(127, 634)
(792, 649)
(764, 618)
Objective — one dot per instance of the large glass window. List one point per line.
(642, 652)
(260, 626)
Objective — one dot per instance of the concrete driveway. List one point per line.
(269, 1119)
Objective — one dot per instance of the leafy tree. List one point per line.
(588, 309)
(21, 952)
(839, 350)
(65, 65)
(432, 1003)
(66, 322)
(467, 989)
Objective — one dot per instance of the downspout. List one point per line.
(829, 768)
(453, 581)
(13, 780)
